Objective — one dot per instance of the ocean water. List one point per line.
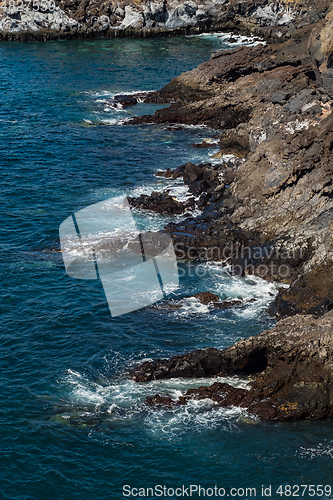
(72, 425)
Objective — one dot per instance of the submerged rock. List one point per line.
(170, 174)
(204, 145)
(123, 100)
(206, 298)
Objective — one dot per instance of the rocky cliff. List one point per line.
(273, 105)
(47, 19)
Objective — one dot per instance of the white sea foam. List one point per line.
(196, 415)
(104, 121)
(117, 108)
(123, 400)
(322, 449)
(129, 392)
(113, 121)
(253, 291)
(194, 127)
(174, 187)
(247, 41)
(191, 305)
(112, 93)
(150, 221)
(105, 107)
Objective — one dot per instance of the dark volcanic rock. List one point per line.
(171, 174)
(158, 400)
(124, 100)
(192, 172)
(227, 90)
(225, 304)
(291, 367)
(161, 203)
(213, 299)
(197, 364)
(273, 105)
(311, 293)
(204, 181)
(321, 50)
(223, 394)
(235, 143)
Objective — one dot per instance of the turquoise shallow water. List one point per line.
(72, 425)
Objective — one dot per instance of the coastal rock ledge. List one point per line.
(290, 368)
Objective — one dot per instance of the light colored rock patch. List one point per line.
(172, 14)
(296, 126)
(16, 21)
(133, 18)
(275, 14)
(257, 136)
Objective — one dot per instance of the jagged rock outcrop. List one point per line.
(17, 20)
(291, 370)
(205, 185)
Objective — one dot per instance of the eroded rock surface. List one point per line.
(206, 298)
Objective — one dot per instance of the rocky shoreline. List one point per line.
(271, 211)
(290, 366)
(268, 210)
(66, 19)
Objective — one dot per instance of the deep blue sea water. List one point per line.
(73, 427)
